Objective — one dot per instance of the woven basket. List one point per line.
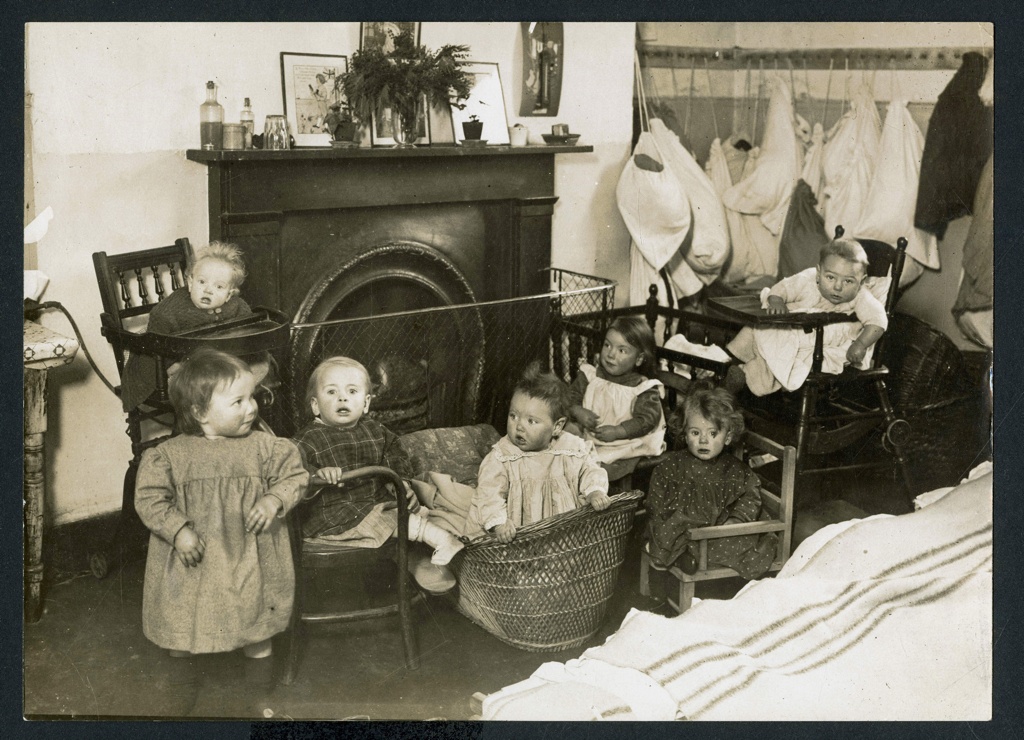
(548, 589)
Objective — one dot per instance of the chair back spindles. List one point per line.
(140, 287)
(158, 284)
(126, 297)
(175, 281)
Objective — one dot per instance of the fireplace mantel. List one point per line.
(298, 212)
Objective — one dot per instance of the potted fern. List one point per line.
(399, 80)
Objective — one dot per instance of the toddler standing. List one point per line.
(341, 438)
(617, 404)
(700, 487)
(210, 296)
(781, 358)
(537, 469)
(219, 572)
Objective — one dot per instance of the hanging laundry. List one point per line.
(888, 212)
(804, 233)
(848, 161)
(706, 248)
(812, 173)
(766, 192)
(973, 307)
(958, 144)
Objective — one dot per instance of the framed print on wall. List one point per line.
(379, 34)
(486, 102)
(307, 83)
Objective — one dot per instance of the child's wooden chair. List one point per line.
(778, 502)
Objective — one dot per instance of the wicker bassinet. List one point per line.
(548, 589)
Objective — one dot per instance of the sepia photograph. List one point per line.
(665, 394)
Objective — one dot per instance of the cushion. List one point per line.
(451, 495)
(457, 451)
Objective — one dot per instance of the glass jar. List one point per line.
(234, 136)
(247, 119)
(275, 133)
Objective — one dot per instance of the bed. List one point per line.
(884, 618)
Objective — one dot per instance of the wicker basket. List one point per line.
(548, 589)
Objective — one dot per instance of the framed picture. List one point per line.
(307, 83)
(382, 135)
(486, 102)
(543, 52)
(379, 34)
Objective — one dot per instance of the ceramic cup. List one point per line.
(518, 135)
(560, 129)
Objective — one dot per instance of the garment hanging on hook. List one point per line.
(848, 161)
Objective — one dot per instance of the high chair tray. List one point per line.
(747, 309)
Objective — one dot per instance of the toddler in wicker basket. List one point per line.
(537, 469)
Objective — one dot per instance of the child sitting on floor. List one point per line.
(219, 572)
(537, 469)
(781, 358)
(341, 438)
(211, 296)
(616, 404)
(699, 487)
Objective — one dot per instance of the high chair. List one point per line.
(777, 499)
(130, 285)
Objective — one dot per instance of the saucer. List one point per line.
(561, 139)
(474, 142)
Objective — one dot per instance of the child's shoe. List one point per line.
(687, 563)
(735, 379)
(445, 544)
(434, 579)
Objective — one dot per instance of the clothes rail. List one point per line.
(903, 58)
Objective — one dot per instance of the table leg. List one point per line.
(34, 490)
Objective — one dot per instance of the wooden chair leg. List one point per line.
(686, 590)
(645, 574)
(893, 432)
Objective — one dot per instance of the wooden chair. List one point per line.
(829, 413)
(776, 499)
(130, 285)
(344, 561)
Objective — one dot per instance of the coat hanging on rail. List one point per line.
(973, 307)
(958, 145)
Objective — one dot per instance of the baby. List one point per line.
(342, 438)
(211, 295)
(781, 358)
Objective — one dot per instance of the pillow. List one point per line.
(451, 495)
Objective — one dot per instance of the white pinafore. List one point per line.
(613, 404)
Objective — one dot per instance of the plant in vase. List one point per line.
(473, 128)
(398, 80)
(341, 126)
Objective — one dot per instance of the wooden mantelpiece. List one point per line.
(299, 213)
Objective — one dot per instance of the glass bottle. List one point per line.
(211, 119)
(247, 119)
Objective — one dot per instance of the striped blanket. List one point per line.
(889, 620)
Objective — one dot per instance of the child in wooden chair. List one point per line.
(700, 487)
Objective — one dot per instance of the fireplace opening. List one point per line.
(426, 365)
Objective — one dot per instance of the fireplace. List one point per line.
(336, 234)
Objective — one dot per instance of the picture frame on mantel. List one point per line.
(486, 102)
(307, 84)
(379, 34)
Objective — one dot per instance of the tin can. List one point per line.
(234, 136)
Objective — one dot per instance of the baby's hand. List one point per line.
(505, 533)
(609, 433)
(262, 513)
(330, 475)
(776, 305)
(599, 500)
(410, 497)
(855, 354)
(189, 546)
(587, 419)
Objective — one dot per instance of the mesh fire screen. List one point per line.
(451, 365)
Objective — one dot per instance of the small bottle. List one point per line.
(247, 119)
(211, 119)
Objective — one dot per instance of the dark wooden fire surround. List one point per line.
(300, 213)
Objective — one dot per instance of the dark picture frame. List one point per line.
(308, 89)
(376, 34)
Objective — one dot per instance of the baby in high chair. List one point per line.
(341, 438)
(781, 358)
(537, 469)
(700, 486)
(214, 498)
(617, 405)
(210, 296)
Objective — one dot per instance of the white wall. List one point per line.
(108, 155)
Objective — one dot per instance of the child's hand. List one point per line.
(411, 499)
(587, 419)
(506, 532)
(262, 513)
(189, 546)
(776, 305)
(329, 475)
(599, 500)
(609, 433)
(855, 354)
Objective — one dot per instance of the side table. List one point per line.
(43, 349)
